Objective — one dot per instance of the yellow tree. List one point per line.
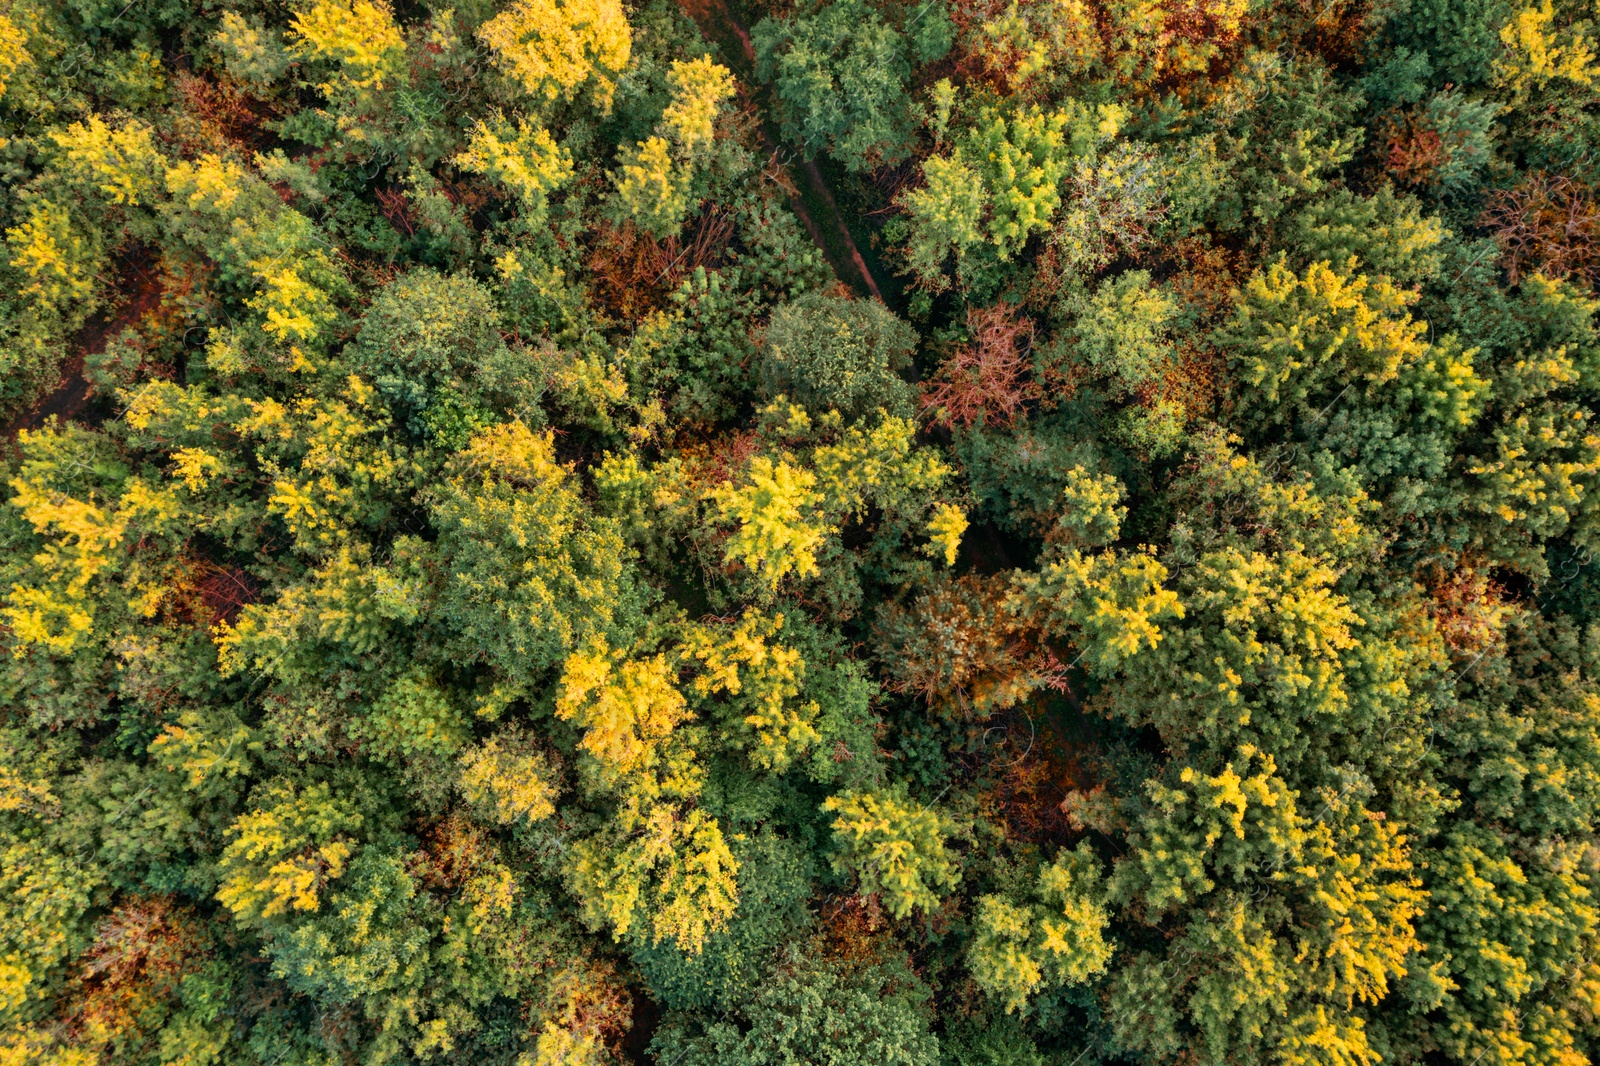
(561, 49)
(655, 184)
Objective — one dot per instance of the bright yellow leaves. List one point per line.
(557, 49)
(59, 613)
(508, 777)
(649, 188)
(658, 855)
(699, 89)
(1538, 477)
(13, 51)
(629, 706)
(1325, 314)
(340, 604)
(60, 261)
(202, 747)
(528, 163)
(1112, 603)
(895, 846)
(533, 574)
(774, 519)
(880, 464)
(559, 1046)
(243, 225)
(293, 310)
(698, 890)
(653, 182)
(122, 165)
(1278, 672)
(160, 412)
(1122, 601)
(779, 527)
(1294, 333)
(1208, 821)
(195, 467)
(626, 707)
(513, 454)
(1299, 916)
(360, 36)
(45, 897)
(1091, 510)
(784, 511)
(763, 678)
(945, 530)
(661, 858)
(282, 856)
(1445, 386)
(83, 541)
(345, 461)
(1536, 52)
(209, 185)
(674, 868)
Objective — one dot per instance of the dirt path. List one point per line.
(71, 400)
(813, 201)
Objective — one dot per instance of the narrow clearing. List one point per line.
(812, 201)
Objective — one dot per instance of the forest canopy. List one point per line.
(787, 532)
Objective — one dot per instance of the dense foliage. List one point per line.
(955, 533)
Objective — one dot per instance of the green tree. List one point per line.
(532, 575)
(796, 1012)
(838, 352)
(432, 346)
(1508, 932)
(840, 76)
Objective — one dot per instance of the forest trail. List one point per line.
(72, 400)
(811, 200)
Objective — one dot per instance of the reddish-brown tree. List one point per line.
(1547, 224)
(985, 380)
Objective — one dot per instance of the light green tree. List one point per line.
(895, 846)
(1050, 936)
(526, 161)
